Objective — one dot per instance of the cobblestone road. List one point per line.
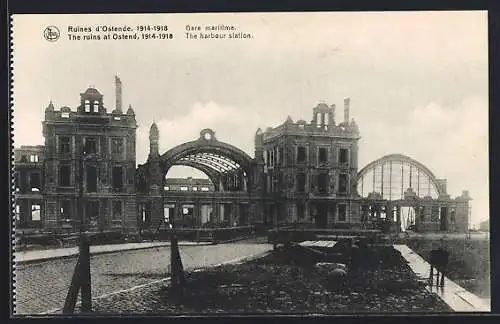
(42, 287)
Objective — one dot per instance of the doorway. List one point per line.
(92, 213)
(321, 217)
(188, 216)
(168, 213)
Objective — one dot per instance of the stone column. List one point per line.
(462, 216)
(274, 214)
(130, 214)
(213, 216)
(354, 216)
(417, 217)
(24, 212)
(228, 210)
(236, 212)
(176, 213)
(331, 211)
(197, 213)
(398, 218)
(313, 213)
(388, 212)
(291, 212)
(354, 155)
(50, 212)
(447, 220)
(217, 213)
(307, 214)
(105, 213)
(156, 211)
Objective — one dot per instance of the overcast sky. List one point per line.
(418, 81)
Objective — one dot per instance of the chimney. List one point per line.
(332, 107)
(118, 84)
(347, 102)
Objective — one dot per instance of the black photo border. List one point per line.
(164, 6)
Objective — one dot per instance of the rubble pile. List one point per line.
(374, 280)
(383, 283)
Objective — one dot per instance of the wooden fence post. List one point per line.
(80, 281)
(74, 287)
(180, 266)
(178, 279)
(85, 275)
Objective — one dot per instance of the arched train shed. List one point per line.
(393, 174)
(404, 191)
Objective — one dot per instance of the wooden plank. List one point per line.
(74, 288)
(86, 283)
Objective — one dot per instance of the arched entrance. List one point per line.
(226, 204)
(227, 166)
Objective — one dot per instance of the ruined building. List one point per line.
(302, 173)
(88, 166)
(28, 185)
(310, 169)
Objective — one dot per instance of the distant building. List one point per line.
(484, 226)
(188, 184)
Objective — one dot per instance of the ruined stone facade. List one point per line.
(89, 166)
(309, 170)
(29, 180)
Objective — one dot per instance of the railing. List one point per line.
(208, 194)
(69, 237)
(214, 235)
(229, 233)
(66, 239)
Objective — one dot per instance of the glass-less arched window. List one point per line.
(87, 106)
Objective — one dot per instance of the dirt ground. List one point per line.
(380, 282)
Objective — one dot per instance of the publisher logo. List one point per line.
(51, 33)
